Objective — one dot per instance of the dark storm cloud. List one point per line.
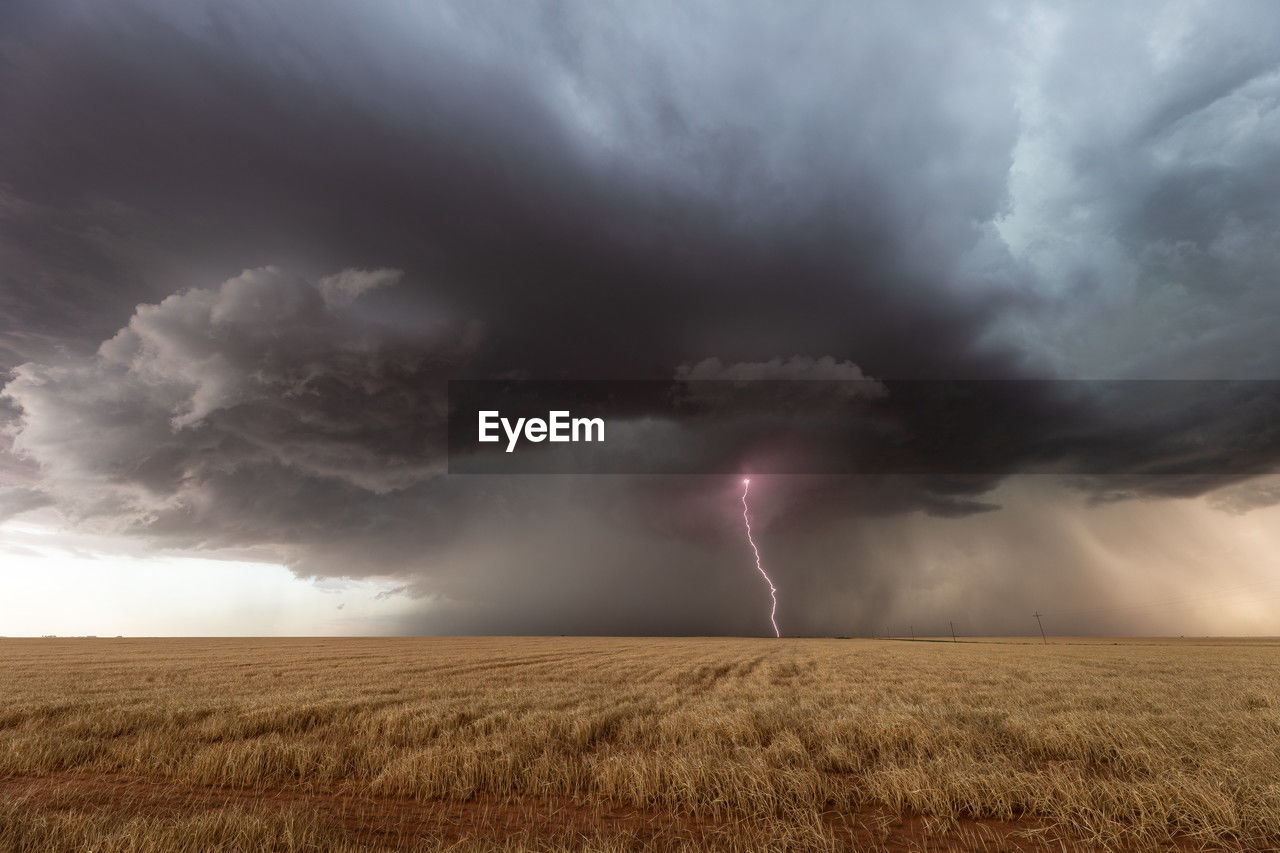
(570, 181)
(1144, 183)
(257, 411)
(277, 413)
(614, 191)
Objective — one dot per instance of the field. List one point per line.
(554, 743)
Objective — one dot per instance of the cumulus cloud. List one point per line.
(348, 284)
(220, 404)
(794, 385)
(798, 367)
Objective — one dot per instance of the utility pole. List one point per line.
(912, 628)
(1041, 624)
(953, 631)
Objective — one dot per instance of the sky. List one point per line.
(244, 246)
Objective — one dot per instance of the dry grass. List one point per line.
(625, 743)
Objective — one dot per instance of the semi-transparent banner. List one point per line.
(1132, 427)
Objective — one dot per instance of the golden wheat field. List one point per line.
(619, 744)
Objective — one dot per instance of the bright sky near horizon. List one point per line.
(1200, 570)
(54, 585)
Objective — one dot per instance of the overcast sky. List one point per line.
(244, 245)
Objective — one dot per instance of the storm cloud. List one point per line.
(243, 247)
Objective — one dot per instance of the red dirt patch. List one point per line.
(391, 822)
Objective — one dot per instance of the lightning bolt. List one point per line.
(773, 590)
